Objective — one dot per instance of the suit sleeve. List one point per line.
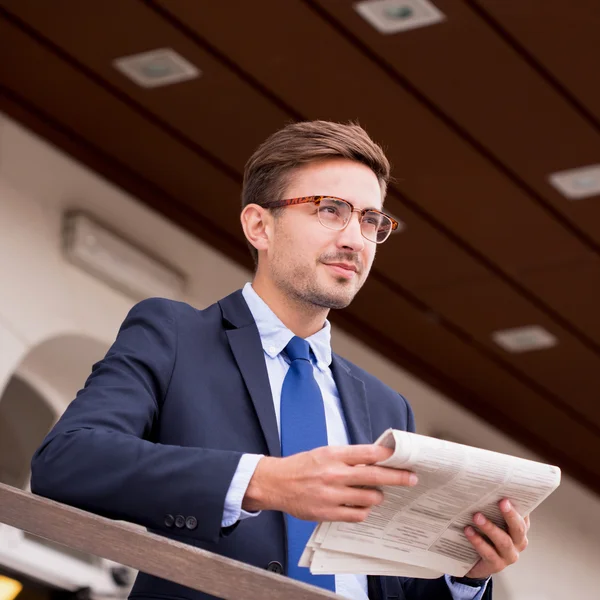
(410, 417)
(100, 456)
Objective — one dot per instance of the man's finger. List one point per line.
(372, 476)
(488, 553)
(361, 454)
(349, 514)
(503, 543)
(360, 497)
(517, 525)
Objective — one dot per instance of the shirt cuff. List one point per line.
(232, 511)
(460, 591)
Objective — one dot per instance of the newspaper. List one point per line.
(419, 531)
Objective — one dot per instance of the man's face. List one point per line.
(307, 261)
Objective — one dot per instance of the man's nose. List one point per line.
(351, 237)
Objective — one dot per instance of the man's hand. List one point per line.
(325, 484)
(506, 546)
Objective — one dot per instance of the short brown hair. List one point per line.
(267, 171)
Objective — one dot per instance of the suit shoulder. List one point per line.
(165, 307)
(370, 380)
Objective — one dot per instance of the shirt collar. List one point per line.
(274, 335)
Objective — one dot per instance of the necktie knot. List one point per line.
(298, 348)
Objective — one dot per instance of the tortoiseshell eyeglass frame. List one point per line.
(316, 200)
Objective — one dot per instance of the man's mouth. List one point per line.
(347, 270)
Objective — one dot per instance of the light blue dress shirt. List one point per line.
(274, 337)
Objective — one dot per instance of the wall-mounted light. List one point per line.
(119, 263)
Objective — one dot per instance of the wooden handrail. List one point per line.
(147, 552)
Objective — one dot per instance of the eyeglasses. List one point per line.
(335, 213)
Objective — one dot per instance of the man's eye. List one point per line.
(331, 210)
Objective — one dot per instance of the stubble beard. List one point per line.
(302, 287)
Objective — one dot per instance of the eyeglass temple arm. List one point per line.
(292, 201)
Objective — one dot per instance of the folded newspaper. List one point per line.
(419, 531)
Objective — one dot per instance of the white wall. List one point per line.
(45, 299)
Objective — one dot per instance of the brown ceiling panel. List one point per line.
(419, 257)
(217, 110)
(303, 59)
(575, 290)
(561, 37)
(569, 370)
(493, 97)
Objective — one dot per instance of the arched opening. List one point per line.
(40, 389)
(58, 367)
(25, 418)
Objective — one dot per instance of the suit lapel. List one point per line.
(245, 344)
(354, 402)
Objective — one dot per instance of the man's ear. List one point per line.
(257, 225)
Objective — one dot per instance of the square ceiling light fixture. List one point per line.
(392, 16)
(524, 339)
(579, 183)
(156, 68)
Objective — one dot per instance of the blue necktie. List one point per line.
(303, 428)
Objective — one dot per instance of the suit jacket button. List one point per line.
(191, 522)
(275, 567)
(179, 521)
(169, 520)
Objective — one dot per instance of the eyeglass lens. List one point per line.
(335, 214)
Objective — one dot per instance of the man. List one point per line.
(229, 428)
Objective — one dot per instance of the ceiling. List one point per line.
(474, 112)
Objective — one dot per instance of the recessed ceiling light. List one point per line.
(579, 183)
(156, 68)
(392, 16)
(524, 339)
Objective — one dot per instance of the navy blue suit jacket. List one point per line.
(157, 432)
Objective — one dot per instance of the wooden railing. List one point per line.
(147, 552)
